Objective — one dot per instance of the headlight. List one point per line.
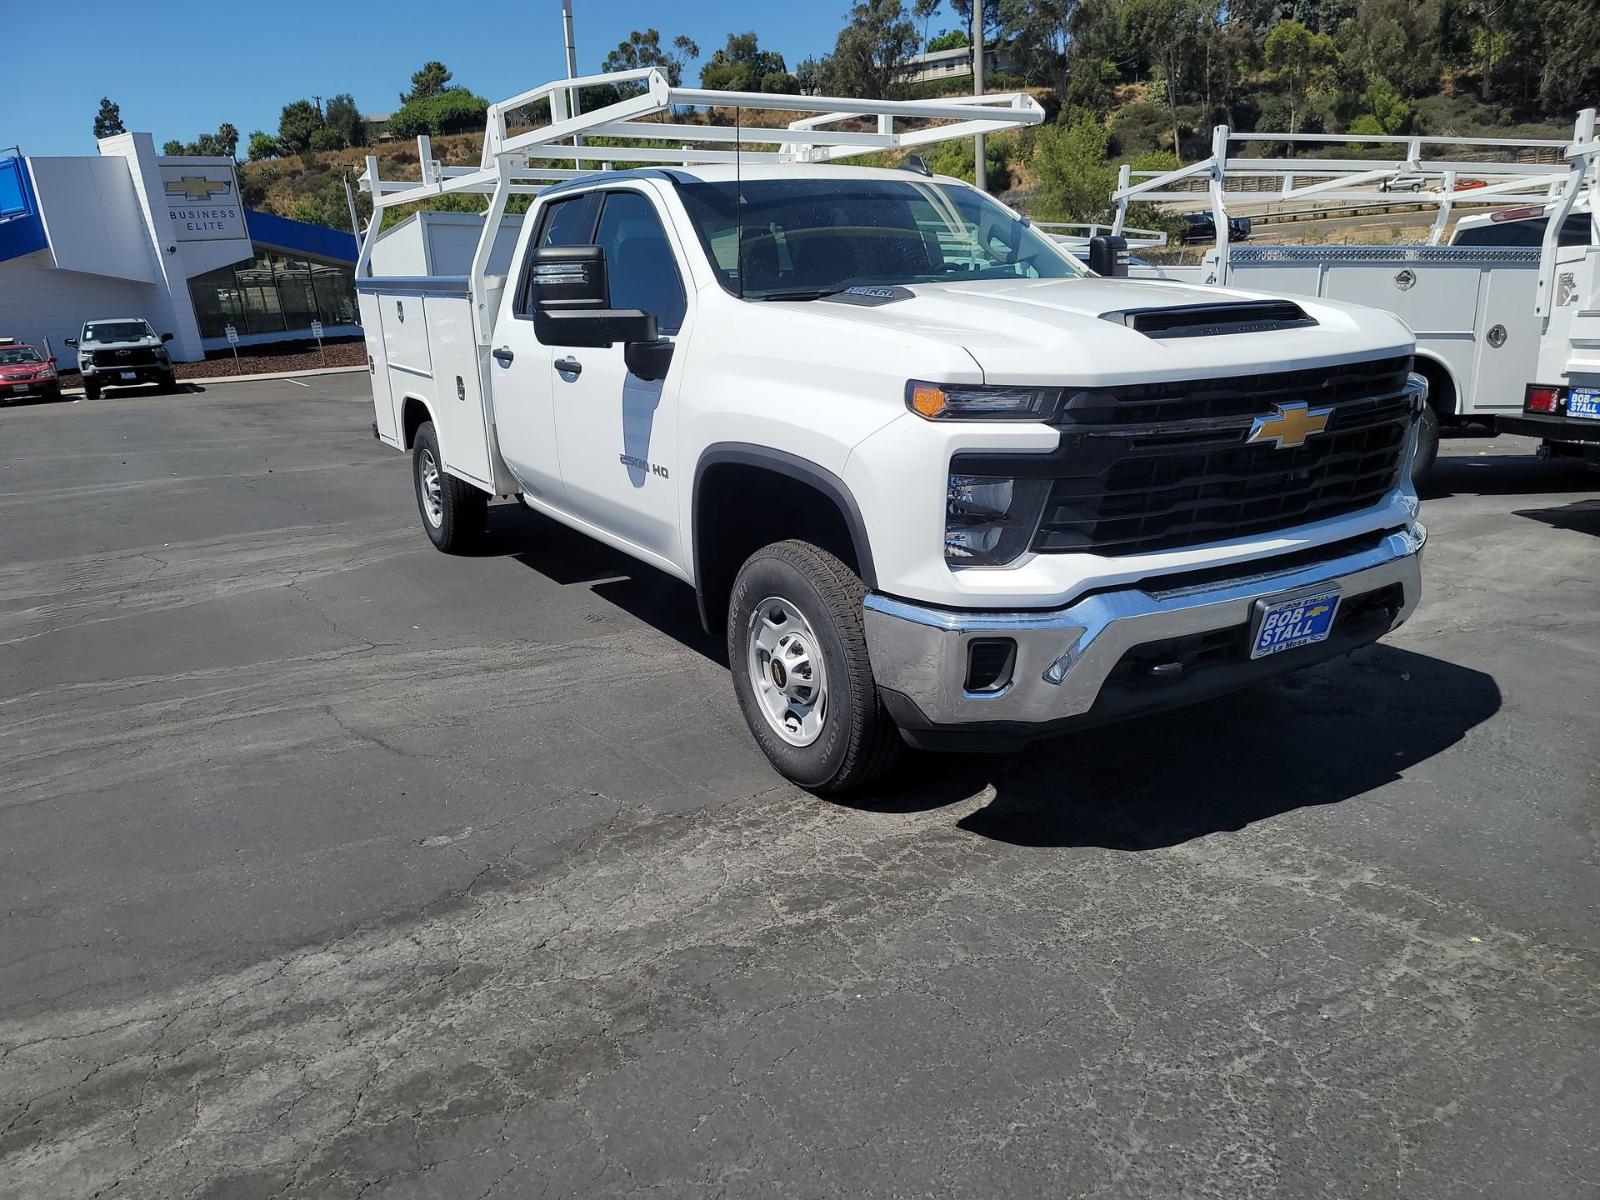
(989, 519)
(973, 402)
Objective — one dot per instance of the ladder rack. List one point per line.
(519, 162)
(1505, 174)
(514, 164)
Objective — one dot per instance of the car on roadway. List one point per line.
(25, 372)
(122, 352)
(1202, 227)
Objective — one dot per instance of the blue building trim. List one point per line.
(21, 227)
(297, 237)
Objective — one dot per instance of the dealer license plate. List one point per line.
(1584, 403)
(19, 387)
(130, 375)
(1302, 621)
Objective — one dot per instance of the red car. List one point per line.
(26, 372)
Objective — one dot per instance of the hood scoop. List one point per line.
(1213, 320)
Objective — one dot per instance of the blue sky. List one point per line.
(179, 70)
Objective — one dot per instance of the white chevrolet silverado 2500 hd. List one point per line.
(935, 482)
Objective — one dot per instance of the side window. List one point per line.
(568, 222)
(639, 260)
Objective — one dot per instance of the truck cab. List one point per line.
(933, 481)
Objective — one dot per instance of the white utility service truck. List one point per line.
(936, 482)
(1506, 308)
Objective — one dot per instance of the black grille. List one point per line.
(1161, 466)
(139, 356)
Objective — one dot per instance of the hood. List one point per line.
(25, 370)
(1043, 330)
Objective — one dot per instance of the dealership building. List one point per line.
(130, 233)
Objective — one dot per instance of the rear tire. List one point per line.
(1427, 446)
(454, 513)
(798, 654)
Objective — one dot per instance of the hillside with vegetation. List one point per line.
(1140, 81)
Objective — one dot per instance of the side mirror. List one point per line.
(166, 337)
(1108, 255)
(70, 342)
(570, 295)
(51, 360)
(648, 360)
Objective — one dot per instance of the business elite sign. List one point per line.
(203, 198)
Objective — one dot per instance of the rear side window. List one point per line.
(639, 260)
(1528, 233)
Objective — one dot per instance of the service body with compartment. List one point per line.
(936, 482)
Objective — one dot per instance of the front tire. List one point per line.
(168, 385)
(91, 391)
(1427, 446)
(454, 513)
(798, 654)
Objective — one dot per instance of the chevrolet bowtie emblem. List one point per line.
(1290, 425)
(198, 187)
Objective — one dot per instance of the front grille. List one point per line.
(1161, 466)
(140, 356)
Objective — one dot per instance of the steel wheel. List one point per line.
(432, 497)
(786, 671)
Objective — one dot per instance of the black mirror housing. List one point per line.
(593, 327)
(166, 337)
(70, 341)
(648, 360)
(1108, 256)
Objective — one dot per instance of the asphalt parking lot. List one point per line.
(332, 866)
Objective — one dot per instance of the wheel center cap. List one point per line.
(779, 675)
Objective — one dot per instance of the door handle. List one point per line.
(503, 356)
(569, 366)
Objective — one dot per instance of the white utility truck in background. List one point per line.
(1506, 310)
(936, 482)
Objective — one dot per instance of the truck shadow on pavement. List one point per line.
(1320, 736)
(1581, 516)
(1503, 475)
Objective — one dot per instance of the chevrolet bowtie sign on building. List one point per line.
(203, 201)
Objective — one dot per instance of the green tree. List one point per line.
(298, 121)
(224, 143)
(950, 39)
(342, 115)
(742, 66)
(1174, 32)
(108, 121)
(430, 80)
(809, 75)
(871, 50)
(262, 145)
(173, 148)
(643, 49)
(1301, 62)
(454, 110)
(1075, 180)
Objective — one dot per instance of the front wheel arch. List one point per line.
(799, 499)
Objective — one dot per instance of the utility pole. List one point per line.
(574, 106)
(979, 174)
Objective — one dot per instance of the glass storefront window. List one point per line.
(271, 293)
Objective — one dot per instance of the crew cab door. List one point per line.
(618, 434)
(520, 365)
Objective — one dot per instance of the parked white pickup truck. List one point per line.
(937, 483)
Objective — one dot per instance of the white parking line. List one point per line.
(297, 383)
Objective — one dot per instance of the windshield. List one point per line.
(116, 331)
(10, 356)
(809, 237)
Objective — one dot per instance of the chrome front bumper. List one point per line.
(1063, 656)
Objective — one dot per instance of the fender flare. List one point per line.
(794, 467)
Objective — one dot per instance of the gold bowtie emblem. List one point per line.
(1289, 425)
(197, 187)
